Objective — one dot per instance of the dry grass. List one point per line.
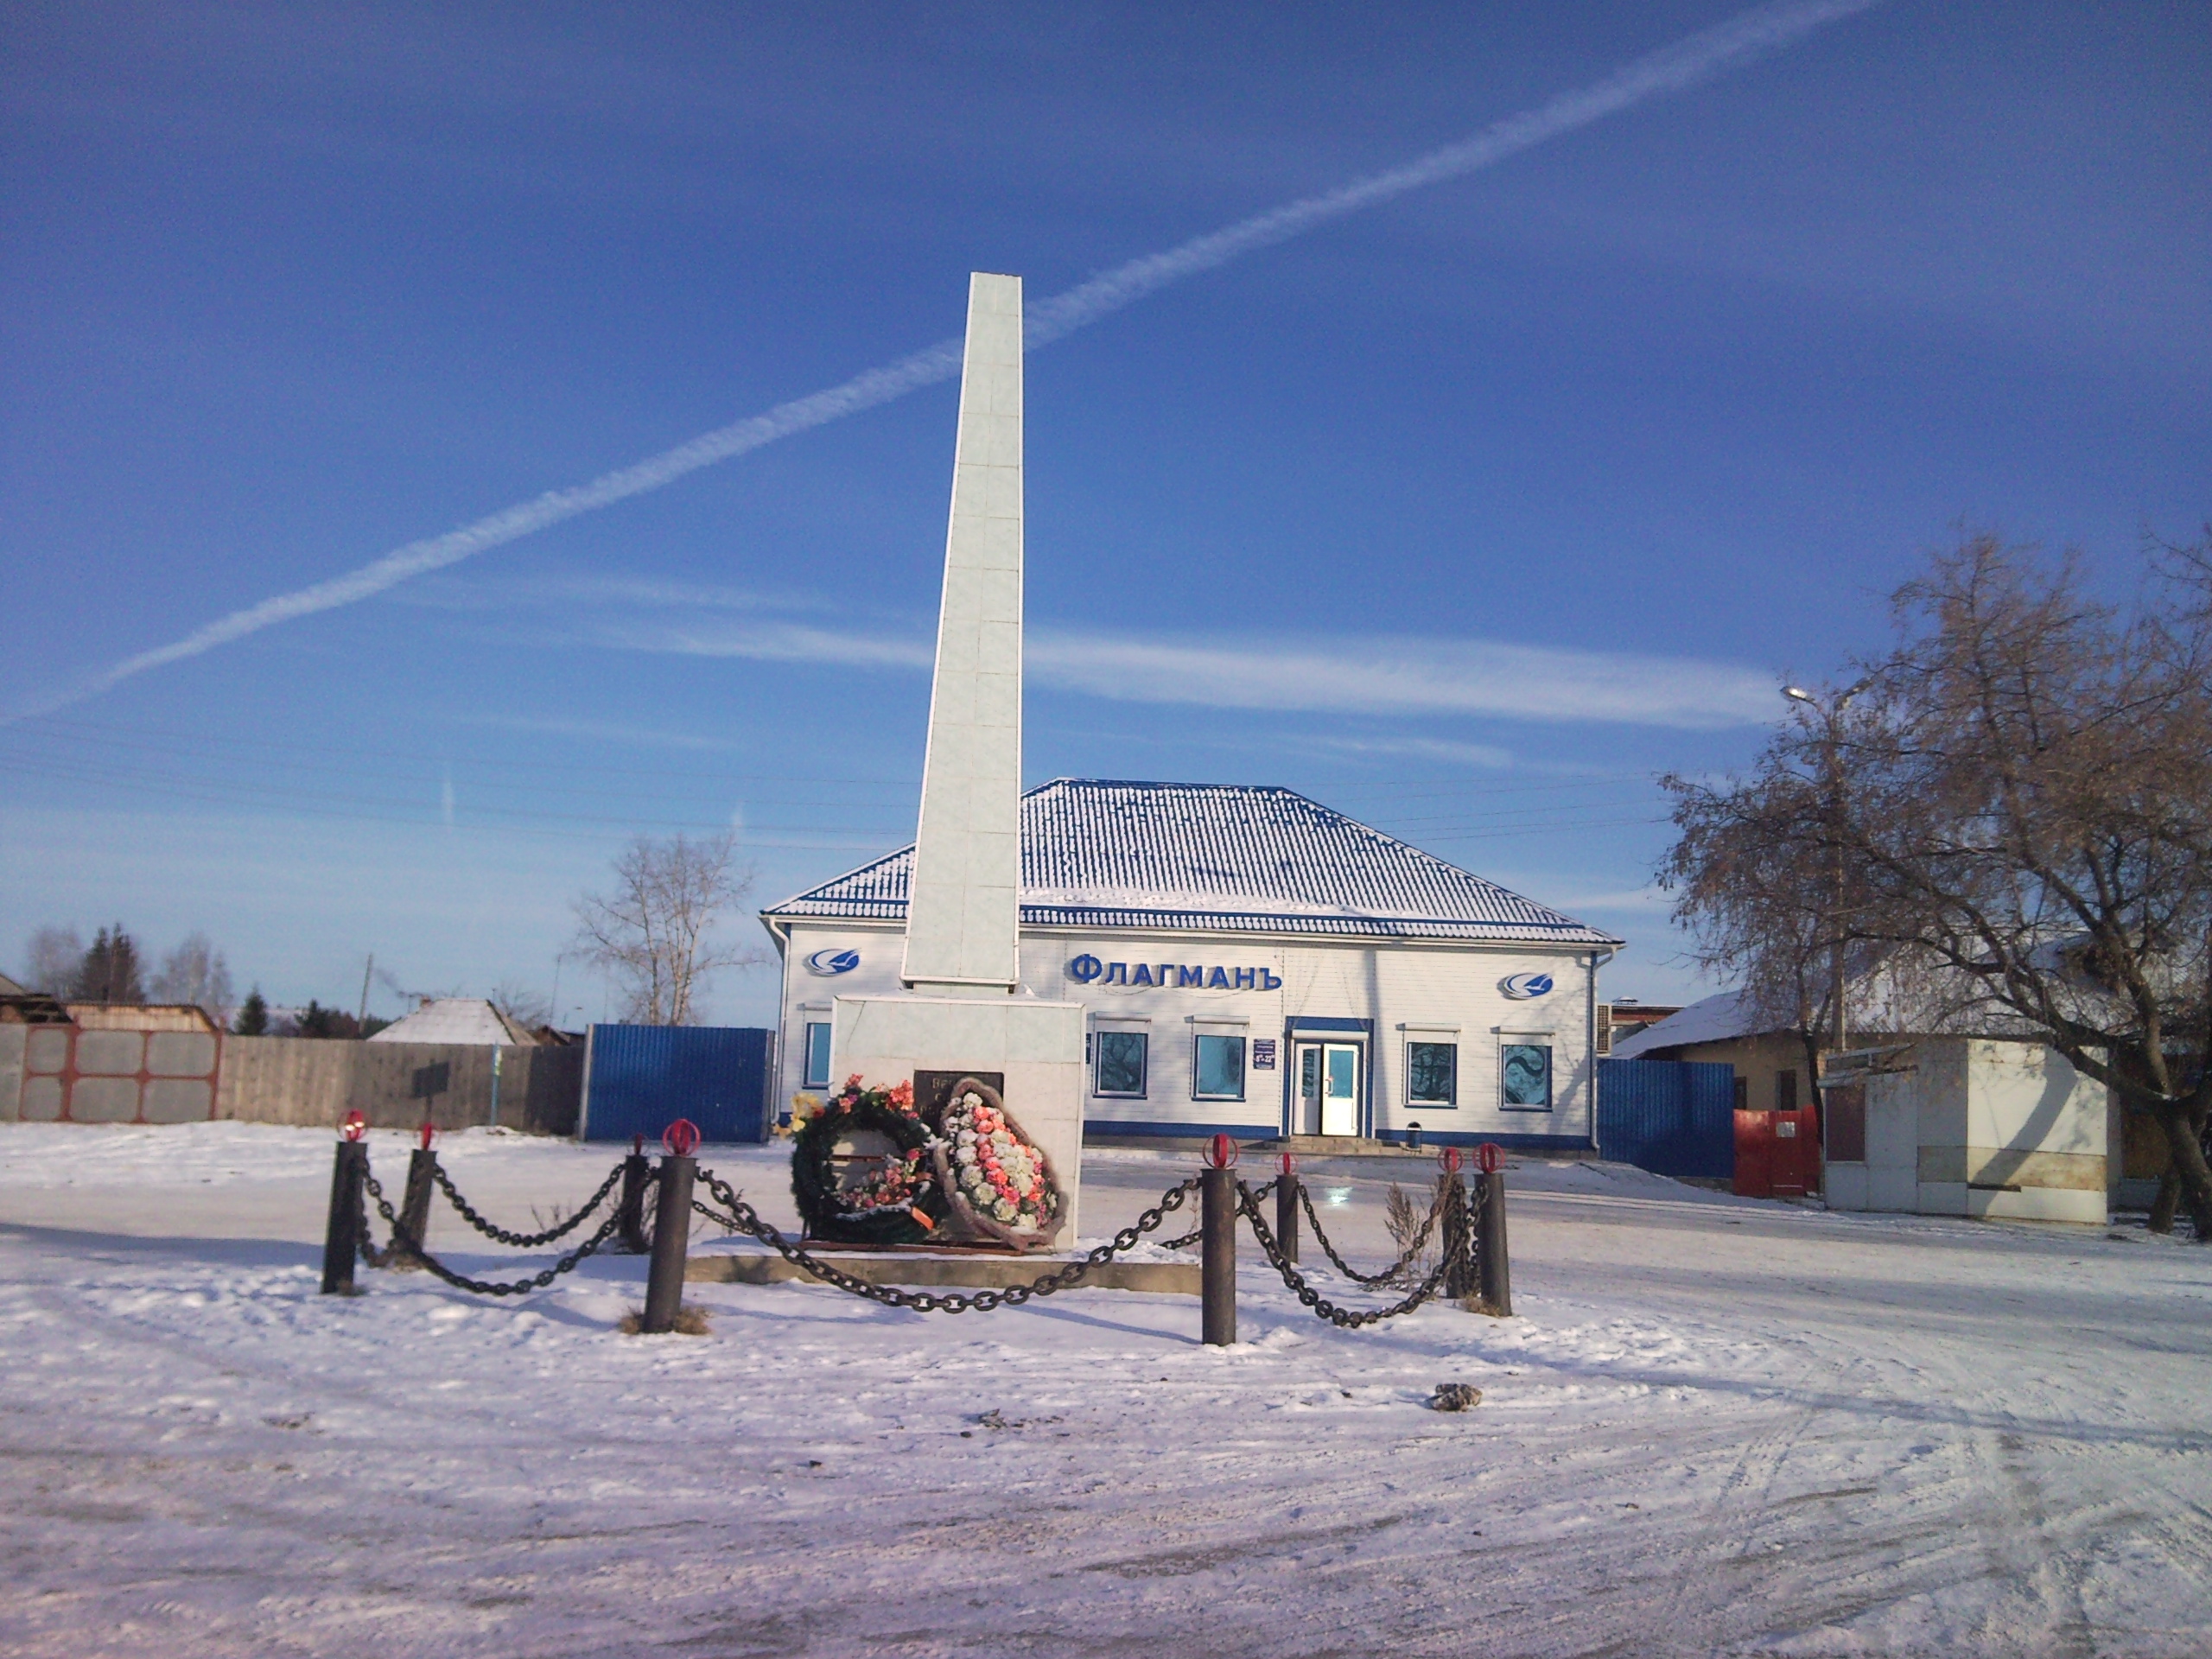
(1403, 1216)
(690, 1321)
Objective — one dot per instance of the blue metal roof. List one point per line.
(1217, 857)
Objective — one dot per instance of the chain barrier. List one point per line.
(1389, 1273)
(402, 1239)
(1343, 1318)
(369, 1253)
(522, 1241)
(1190, 1239)
(743, 1219)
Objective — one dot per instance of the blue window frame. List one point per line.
(817, 1055)
(1118, 1069)
(1217, 1072)
(1525, 1076)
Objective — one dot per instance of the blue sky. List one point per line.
(1467, 513)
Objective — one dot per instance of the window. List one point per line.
(1525, 1076)
(1742, 1094)
(817, 1054)
(1220, 1071)
(1432, 1074)
(1120, 1063)
(1845, 1110)
(1785, 1092)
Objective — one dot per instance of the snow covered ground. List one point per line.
(1717, 1426)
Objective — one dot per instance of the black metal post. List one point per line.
(671, 1233)
(1497, 1271)
(1217, 1316)
(342, 1239)
(637, 1170)
(414, 1212)
(1286, 1213)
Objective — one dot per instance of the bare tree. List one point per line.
(1761, 912)
(196, 972)
(2022, 820)
(51, 961)
(650, 934)
(526, 1007)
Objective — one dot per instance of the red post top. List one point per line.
(1221, 1152)
(1449, 1160)
(1490, 1157)
(428, 1131)
(1289, 1164)
(356, 1126)
(681, 1137)
(637, 1146)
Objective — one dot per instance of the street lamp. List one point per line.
(1832, 715)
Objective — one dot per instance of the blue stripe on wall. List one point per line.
(1157, 1129)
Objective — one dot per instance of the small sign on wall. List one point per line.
(1263, 1053)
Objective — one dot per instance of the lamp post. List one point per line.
(1831, 715)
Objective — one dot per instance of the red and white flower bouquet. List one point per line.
(999, 1181)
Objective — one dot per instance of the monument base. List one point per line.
(923, 1270)
(1036, 1046)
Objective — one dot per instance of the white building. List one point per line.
(1251, 961)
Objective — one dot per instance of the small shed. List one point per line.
(1966, 1125)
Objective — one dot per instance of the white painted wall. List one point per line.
(1966, 1126)
(1452, 990)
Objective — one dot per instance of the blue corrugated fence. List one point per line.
(1672, 1117)
(639, 1079)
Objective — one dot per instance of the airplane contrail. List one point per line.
(1696, 57)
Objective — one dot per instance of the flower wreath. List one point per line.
(999, 1181)
(903, 1203)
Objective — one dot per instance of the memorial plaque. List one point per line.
(933, 1090)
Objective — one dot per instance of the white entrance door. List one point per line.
(1328, 1089)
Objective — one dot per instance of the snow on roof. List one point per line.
(456, 1020)
(1716, 1019)
(1100, 853)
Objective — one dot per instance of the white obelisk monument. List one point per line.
(966, 1009)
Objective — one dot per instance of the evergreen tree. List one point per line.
(253, 1015)
(110, 973)
(315, 1020)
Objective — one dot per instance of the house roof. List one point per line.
(20, 1005)
(1716, 1019)
(456, 1020)
(1217, 857)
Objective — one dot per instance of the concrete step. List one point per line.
(1339, 1146)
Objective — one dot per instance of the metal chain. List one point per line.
(369, 1252)
(1343, 1318)
(522, 1241)
(402, 1239)
(1420, 1239)
(743, 1219)
(1188, 1239)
